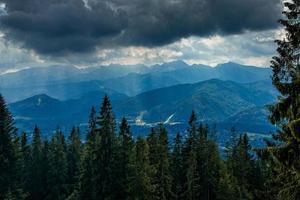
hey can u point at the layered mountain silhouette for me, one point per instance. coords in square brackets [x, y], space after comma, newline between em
[228, 95]
[214, 101]
[65, 82]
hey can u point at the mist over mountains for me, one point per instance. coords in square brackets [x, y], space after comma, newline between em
[65, 82]
[61, 96]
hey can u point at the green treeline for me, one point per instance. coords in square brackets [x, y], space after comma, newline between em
[114, 165]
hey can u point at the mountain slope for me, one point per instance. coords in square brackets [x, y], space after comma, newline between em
[212, 100]
[241, 73]
[254, 119]
[49, 113]
[61, 91]
[133, 84]
[57, 81]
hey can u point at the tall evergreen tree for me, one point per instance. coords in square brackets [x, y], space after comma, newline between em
[286, 112]
[192, 177]
[124, 166]
[74, 160]
[8, 153]
[191, 185]
[105, 151]
[163, 170]
[26, 162]
[209, 164]
[241, 164]
[152, 141]
[202, 157]
[92, 125]
[227, 187]
[86, 185]
[176, 168]
[192, 131]
[45, 166]
[143, 189]
[57, 174]
[36, 172]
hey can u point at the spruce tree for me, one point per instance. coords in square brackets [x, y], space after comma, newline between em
[212, 171]
[8, 153]
[143, 189]
[192, 130]
[240, 164]
[87, 178]
[152, 141]
[26, 162]
[190, 164]
[176, 168]
[105, 151]
[163, 190]
[286, 112]
[45, 166]
[74, 160]
[124, 163]
[153, 144]
[202, 156]
[227, 187]
[92, 125]
[209, 164]
[36, 172]
[192, 177]
[58, 169]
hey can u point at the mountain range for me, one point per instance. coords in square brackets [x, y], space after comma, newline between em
[65, 82]
[227, 95]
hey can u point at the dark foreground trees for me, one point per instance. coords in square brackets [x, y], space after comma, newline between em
[284, 156]
[111, 164]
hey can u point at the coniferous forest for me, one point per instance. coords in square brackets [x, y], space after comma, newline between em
[111, 164]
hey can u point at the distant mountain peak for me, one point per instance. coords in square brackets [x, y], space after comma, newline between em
[41, 96]
[38, 100]
[230, 64]
[181, 62]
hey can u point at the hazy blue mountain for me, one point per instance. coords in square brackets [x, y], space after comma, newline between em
[66, 73]
[50, 113]
[254, 119]
[61, 91]
[127, 79]
[134, 84]
[181, 73]
[161, 93]
[213, 100]
[65, 82]
[38, 76]
[168, 67]
[241, 73]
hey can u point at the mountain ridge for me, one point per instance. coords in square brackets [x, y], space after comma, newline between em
[129, 80]
[213, 100]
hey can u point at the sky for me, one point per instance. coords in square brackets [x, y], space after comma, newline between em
[88, 33]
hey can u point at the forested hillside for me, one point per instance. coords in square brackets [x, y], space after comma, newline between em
[114, 165]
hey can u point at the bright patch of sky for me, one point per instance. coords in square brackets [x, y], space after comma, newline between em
[2, 9]
[251, 48]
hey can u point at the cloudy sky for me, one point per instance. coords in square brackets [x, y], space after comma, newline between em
[99, 32]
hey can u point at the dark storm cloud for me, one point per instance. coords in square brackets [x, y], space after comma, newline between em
[55, 27]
